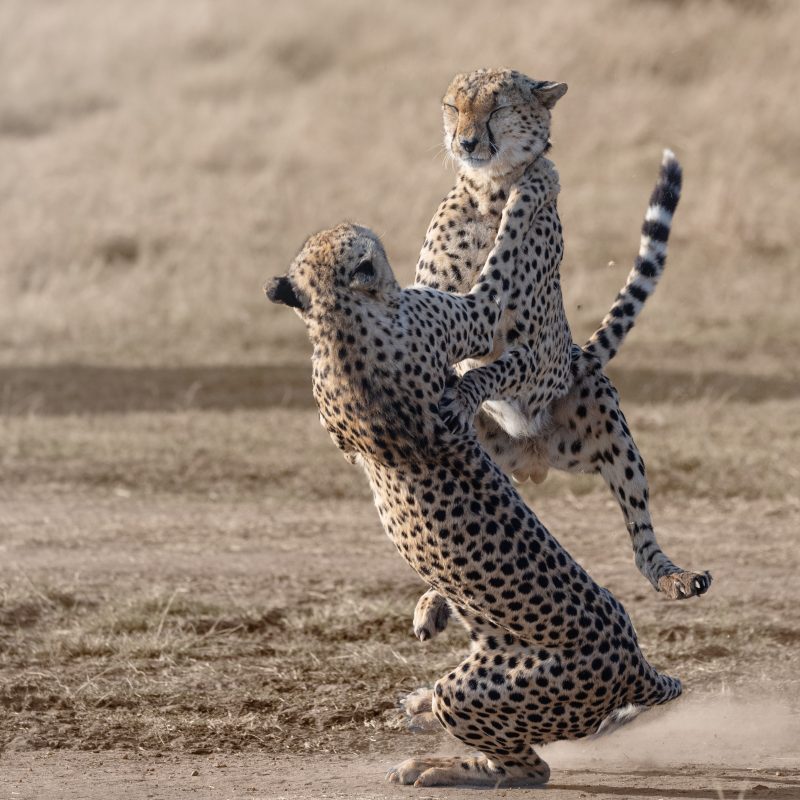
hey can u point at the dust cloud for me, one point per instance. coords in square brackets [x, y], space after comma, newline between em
[726, 729]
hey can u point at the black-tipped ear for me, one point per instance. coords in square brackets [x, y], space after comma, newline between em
[547, 93]
[280, 290]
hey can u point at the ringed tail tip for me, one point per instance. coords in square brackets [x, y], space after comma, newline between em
[671, 171]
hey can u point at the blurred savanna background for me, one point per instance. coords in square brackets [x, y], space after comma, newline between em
[182, 550]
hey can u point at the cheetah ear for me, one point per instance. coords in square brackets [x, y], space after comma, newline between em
[548, 93]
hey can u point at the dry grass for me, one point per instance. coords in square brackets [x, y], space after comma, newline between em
[701, 448]
[290, 665]
[160, 163]
[177, 672]
[193, 581]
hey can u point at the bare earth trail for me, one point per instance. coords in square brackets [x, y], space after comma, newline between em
[92, 776]
[191, 586]
[210, 591]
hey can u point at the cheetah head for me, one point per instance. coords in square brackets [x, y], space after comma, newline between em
[497, 120]
[334, 269]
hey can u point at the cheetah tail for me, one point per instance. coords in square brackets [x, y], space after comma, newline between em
[665, 688]
[642, 279]
[616, 719]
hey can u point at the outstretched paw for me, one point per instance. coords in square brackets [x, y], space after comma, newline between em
[682, 585]
[431, 615]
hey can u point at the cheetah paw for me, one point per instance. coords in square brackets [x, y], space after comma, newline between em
[431, 615]
[469, 771]
[452, 412]
[458, 406]
[410, 770]
[682, 585]
[420, 701]
[419, 709]
[536, 473]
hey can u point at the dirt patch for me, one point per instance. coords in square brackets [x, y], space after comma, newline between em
[185, 624]
[86, 776]
[83, 389]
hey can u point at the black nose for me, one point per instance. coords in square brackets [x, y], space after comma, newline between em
[469, 144]
[280, 290]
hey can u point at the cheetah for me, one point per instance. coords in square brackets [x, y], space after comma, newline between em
[553, 655]
[495, 123]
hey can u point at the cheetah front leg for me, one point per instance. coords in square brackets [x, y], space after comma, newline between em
[591, 435]
[505, 376]
[538, 187]
[472, 318]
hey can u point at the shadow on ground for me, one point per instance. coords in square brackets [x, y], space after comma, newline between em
[82, 389]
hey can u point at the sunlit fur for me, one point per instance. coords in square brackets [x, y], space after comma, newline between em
[505, 113]
[323, 272]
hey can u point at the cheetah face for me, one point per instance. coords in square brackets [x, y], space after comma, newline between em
[334, 269]
[497, 120]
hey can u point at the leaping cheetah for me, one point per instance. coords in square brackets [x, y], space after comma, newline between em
[495, 123]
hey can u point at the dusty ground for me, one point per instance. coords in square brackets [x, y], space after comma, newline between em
[38, 775]
[186, 589]
[191, 578]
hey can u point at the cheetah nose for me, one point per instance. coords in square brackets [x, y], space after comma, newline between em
[469, 144]
[280, 290]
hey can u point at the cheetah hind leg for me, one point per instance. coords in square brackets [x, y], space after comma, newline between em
[604, 444]
[471, 771]
[418, 707]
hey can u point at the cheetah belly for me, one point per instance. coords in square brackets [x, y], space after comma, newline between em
[513, 417]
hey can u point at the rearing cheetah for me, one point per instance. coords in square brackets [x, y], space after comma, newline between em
[554, 655]
[495, 123]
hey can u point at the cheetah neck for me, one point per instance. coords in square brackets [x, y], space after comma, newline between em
[489, 190]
